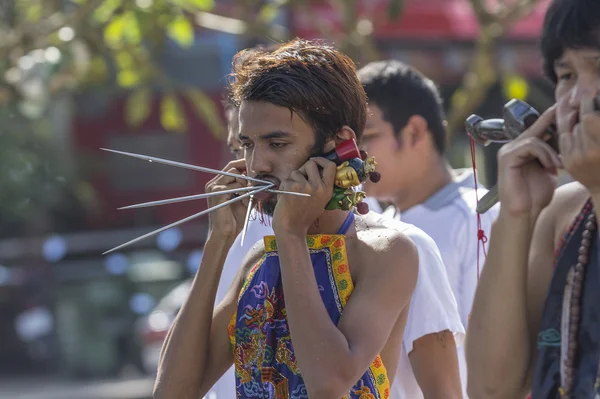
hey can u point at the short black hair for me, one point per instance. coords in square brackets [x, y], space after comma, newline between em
[310, 78]
[569, 24]
[401, 91]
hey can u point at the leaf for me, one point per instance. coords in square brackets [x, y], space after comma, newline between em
[128, 78]
[171, 114]
[124, 60]
[206, 109]
[395, 9]
[202, 5]
[137, 107]
[106, 10]
[181, 31]
[122, 29]
[133, 34]
[34, 11]
[114, 31]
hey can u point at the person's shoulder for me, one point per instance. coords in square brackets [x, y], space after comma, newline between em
[388, 241]
[570, 194]
[566, 204]
[253, 256]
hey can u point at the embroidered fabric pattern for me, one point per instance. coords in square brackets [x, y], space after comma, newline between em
[265, 363]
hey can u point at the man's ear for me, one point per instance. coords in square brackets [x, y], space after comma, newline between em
[345, 133]
[415, 132]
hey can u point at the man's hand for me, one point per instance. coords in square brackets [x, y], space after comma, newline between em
[580, 149]
[229, 220]
[527, 169]
[296, 214]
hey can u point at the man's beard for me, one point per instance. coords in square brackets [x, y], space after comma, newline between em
[268, 207]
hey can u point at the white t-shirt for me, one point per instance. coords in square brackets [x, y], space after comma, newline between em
[433, 307]
[450, 218]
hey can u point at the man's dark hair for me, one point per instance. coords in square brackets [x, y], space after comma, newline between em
[312, 79]
[569, 24]
[227, 100]
[401, 91]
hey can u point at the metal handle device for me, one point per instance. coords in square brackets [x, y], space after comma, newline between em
[518, 116]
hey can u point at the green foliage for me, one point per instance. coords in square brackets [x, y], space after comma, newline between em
[207, 110]
[171, 114]
[181, 31]
[138, 106]
[31, 177]
[110, 42]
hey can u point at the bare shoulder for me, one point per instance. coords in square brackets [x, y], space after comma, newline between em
[384, 247]
[253, 256]
[564, 208]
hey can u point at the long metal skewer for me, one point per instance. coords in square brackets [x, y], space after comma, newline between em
[188, 166]
[190, 218]
[247, 219]
[206, 195]
[289, 193]
[189, 198]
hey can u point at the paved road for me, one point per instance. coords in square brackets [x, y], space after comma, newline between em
[46, 388]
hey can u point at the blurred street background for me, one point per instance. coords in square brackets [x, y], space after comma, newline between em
[147, 76]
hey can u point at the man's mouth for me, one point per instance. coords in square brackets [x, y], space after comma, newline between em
[265, 194]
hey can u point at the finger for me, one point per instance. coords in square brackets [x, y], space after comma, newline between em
[227, 180]
[587, 105]
[313, 173]
[232, 186]
[537, 149]
[591, 129]
[237, 167]
[578, 142]
[541, 125]
[565, 144]
[328, 170]
[239, 164]
[565, 115]
[298, 177]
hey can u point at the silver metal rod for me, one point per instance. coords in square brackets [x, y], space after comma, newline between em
[189, 198]
[247, 219]
[490, 199]
[204, 212]
[289, 193]
[188, 166]
[206, 195]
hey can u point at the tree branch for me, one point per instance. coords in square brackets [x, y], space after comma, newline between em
[483, 72]
[483, 16]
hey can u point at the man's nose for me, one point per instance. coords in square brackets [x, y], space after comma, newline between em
[258, 162]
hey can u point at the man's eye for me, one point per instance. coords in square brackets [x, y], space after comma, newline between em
[278, 145]
[246, 145]
[566, 76]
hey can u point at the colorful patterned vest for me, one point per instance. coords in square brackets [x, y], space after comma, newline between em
[265, 364]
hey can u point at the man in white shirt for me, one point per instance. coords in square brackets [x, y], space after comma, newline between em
[406, 132]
